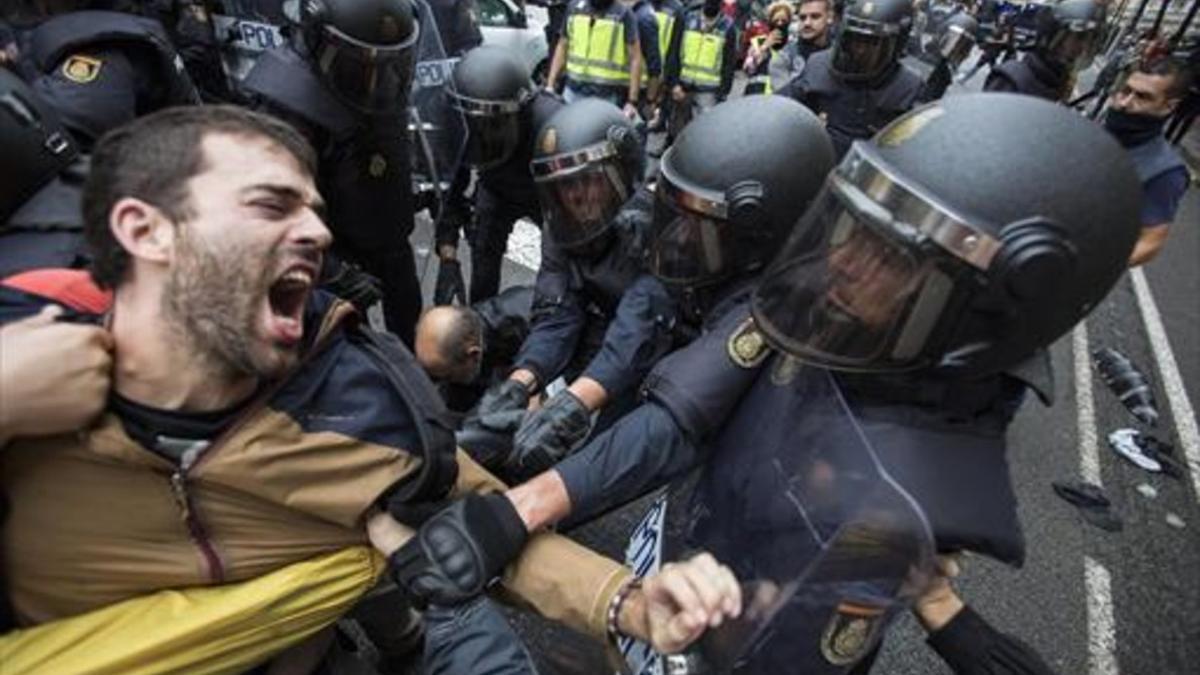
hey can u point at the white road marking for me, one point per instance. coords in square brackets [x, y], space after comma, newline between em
[1102, 632]
[525, 245]
[1172, 381]
[1089, 449]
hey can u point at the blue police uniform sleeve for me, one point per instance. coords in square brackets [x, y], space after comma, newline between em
[92, 92]
[728, 63]
[971, 646]
[630, 25]
[638, 336]
[648, 36]
[1161, 197]
[641, 451]
[672, 64]
[556, 321]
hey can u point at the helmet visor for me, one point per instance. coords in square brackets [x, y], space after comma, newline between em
[1075, 43]
[955, 44]
[493, 129]
[375, 78]
[689, 246]
[579, 205]
[849, 292]
[862, 54]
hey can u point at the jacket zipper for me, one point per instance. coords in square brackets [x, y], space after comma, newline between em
[178, 479]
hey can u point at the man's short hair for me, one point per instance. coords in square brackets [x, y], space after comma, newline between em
[1171, 68]
[828, 5]
[153, 158]
[463, 333]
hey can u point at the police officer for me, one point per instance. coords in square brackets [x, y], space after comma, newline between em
[504, 109]
[598, 319]
[860, 85]
[344, 80]
[646, 19]
[600, 54]
[925, 292]
[955, 41]
[1067, 39]
[40, 221]
[666, 13]
[98, 69]
[701, 60]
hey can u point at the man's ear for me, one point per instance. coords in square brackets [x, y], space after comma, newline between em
[475, 352]
[143, 230]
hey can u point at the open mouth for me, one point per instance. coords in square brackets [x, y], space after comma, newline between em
[287, 298]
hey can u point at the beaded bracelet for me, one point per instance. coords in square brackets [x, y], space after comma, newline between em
[614, 606]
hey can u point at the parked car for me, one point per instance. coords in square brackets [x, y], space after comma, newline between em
[522, 30]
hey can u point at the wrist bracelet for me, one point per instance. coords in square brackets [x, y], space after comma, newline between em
[614, 606]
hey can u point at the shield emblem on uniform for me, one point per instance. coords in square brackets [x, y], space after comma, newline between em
[81, 69]
[850, 633]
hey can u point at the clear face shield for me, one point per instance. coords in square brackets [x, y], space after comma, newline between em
[864, 49]
[1075, 43]
[692, 241]
[371, 77]
[493, 129]
[580, 193]
[865, 281]
[955, 44]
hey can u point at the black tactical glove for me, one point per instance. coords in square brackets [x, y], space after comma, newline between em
[548, 435]
[501, 397]
[488, 439]
[460, 551]
[349, 282]
[450, 284]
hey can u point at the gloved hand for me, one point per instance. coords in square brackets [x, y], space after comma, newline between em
[450, 284]
[460, 551]
[548, 435]
[349, 282]
[488, 439]
[502, 396]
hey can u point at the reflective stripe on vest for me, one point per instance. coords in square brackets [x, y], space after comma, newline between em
[700, 60]
[596, 50]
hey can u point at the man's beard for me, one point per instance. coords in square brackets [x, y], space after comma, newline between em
[214, 302]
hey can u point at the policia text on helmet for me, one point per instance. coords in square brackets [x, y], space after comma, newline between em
[913, 257]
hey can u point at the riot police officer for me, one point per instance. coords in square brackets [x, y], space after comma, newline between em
[860, 85]
[40, 221]
[701, 59]
[914, 294]
[1067, 39]
[98, 69]
[344, 80]
[599, 52]
[504, 109]
[598, 319]
[954, 44]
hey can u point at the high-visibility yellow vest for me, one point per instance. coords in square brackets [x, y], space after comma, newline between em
[700, 56]
[666, 24]
[596, 51]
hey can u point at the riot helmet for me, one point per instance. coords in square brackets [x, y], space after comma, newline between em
[724, 203]
[957, 38]
[966, 235]
[1070, 34]
[871, 39]
[36, 144]
[363, 49]
[491, 88]
[586, 161]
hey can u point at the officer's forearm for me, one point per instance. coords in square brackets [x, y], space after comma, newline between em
[635, 72]
[589, 392]
[556, 63]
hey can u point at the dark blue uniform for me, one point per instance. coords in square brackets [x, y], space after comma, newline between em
[503, 195]
[601, 317]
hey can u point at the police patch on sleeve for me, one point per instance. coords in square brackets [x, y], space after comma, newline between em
[850, 633]
[81, 69]
[747, 347]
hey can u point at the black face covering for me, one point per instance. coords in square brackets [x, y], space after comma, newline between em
[711, 8]
[601, 4]
[1132, 129]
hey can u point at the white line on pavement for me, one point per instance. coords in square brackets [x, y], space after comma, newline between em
[1172, 381]
[525, 245]
[1089, 448]
[1102, 631]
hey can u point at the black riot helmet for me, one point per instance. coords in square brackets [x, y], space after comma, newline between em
[36, 144]
[964, 236]
[871, 38]
[363, 49]
[957, 38]
[1071, 33]
[586, 161]
[491, 88]
[725, 202]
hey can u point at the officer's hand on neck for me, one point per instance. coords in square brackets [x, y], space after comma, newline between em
[939, 603]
